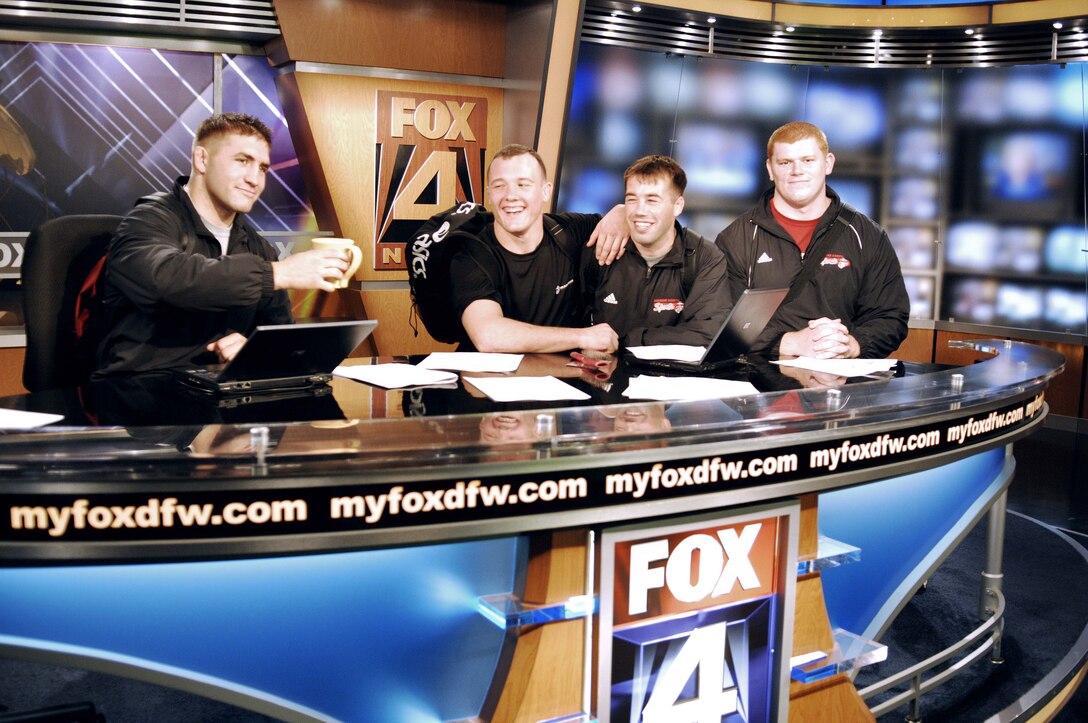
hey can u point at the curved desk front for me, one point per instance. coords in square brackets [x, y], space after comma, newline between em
[372, 564]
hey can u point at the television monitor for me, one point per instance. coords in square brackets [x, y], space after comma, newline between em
[971, 245]
[592, 190]
[919, 149]
[1066, 250]
[920, 292]
[918, 97]
[1066, 310]
[915, 198]
[982, 246]
[1020, 174]
[720, 160]
[914, 245]
[858, 192]
[619, 137]
[971, 300]
[1020, 249]
[1018, 304]
[859, 128]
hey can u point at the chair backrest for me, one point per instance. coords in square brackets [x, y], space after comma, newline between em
[56, 259]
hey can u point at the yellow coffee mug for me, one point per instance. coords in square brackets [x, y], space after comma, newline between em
[341, 244]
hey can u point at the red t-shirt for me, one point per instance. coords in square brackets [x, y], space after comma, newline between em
[799, 231]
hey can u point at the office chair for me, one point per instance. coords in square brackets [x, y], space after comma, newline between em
[57, 258]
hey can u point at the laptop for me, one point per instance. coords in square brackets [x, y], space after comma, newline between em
[280, 358]
[742, 326]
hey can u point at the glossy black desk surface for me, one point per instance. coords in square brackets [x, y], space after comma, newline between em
[152, 417]
[338, 462]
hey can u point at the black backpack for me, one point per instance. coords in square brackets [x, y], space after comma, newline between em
[430, 254]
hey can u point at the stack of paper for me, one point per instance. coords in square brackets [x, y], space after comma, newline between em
[840, 367]
[396, 376]
[472, 361]
[15, 419]
[669, 352]
[678, 388]
[526, 389]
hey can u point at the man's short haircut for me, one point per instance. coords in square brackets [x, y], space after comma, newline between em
[658, 166]
[513, 150]
[797, 131]
[237, 123]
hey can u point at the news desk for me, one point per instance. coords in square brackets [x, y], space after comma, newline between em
[430, 555]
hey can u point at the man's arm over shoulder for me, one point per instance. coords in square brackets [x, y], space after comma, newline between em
[883, 306]
[578, 227]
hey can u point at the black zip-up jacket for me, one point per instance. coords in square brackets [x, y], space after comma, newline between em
[647, 305]
[169, 290]
[858, 280]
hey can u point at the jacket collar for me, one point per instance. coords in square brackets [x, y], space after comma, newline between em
[238, 226]
[675, 255]
[764, 217]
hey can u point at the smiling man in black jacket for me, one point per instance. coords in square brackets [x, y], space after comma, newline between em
[854, 302]
[670, 286]
[186, 276]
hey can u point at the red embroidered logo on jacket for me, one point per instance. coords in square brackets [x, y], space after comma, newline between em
[836, 260]
[676, 305]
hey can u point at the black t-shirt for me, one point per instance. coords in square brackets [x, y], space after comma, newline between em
[537, 288]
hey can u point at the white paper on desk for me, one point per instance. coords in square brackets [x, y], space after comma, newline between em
[685, 388]
[16, 419]
[472, 361]
[671, 352]
[525, 389]
[840, 367]
[396, 376]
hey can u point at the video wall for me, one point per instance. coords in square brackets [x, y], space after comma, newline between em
[978, 174]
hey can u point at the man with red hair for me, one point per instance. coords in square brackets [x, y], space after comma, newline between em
[851, 300]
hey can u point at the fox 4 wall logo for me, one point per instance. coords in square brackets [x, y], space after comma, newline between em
[694, 619]
[430, 153]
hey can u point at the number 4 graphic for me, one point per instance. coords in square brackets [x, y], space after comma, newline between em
[702, 652]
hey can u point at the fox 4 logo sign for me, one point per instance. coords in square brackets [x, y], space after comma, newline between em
[694, 619]
[430, 153]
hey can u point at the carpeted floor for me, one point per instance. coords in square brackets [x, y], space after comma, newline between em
[1046, 591]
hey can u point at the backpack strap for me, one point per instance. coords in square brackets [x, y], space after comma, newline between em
[562, 235]
[690, 270]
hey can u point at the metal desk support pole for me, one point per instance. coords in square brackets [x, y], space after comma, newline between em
[992, 575]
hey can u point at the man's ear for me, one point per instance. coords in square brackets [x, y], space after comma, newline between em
[678, 207]
[547, 191]
[830, 162]
[200, 158]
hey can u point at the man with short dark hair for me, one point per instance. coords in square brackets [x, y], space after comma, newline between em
[186, 276]
[853, 303]
[670, 286]
[518, 292]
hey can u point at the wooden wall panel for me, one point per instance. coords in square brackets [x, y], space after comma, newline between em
[1065, 393]
[394, 333]
[464, 37]
[917, 347]
[333, 119]
[11, 371]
